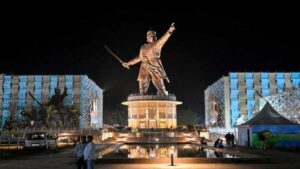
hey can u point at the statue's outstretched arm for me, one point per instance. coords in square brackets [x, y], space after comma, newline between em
[133, 61]
[165, 37]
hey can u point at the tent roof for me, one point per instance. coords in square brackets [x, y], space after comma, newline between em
[268, 116]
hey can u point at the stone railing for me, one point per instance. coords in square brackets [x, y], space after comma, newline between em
[133, 97]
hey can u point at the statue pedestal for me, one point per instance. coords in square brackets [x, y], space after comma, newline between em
[152, 111]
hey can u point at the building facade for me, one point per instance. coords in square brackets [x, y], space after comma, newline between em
[17, 93]
[235, 98]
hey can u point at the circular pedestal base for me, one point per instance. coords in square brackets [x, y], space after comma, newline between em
[152, 111]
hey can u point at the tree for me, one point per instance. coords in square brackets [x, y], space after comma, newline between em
[185, 117]
[120, 128]
[129, 129]
[0, 122]
[190, 127]
[116, 116]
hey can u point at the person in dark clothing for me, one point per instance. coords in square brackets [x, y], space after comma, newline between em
[232, 139]
[79, 150]
[90, 153]
[202, 141]
[262, 139]
[218, 154]
[216, 142]
[227, 137]
[220, 144]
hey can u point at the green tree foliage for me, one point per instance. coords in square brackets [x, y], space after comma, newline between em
[190, 127]
[116, 116]
[185, 117]
[0, 121]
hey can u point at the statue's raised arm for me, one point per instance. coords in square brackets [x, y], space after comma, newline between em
[165, 37]
[133, 61]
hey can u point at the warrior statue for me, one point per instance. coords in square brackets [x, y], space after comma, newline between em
[57, 99]
[151, 68]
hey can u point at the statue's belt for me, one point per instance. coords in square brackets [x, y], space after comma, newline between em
[150, 59]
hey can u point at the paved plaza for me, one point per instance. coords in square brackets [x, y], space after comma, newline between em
[66, 160]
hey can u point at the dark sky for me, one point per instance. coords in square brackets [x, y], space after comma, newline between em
[208, 43]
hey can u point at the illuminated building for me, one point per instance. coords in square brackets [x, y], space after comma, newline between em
[82, 94]
[236, 98]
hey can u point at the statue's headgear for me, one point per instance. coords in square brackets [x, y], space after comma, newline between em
[151, 32]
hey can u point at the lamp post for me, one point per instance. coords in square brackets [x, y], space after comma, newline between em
[172, 158]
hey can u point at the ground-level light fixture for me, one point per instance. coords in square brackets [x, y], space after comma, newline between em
[172, 158]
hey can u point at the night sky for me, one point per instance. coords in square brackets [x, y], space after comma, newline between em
[208, 43]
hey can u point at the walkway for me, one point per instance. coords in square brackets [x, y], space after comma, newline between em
[66, 160]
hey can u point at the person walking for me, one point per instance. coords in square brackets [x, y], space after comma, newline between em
[79, 151]
[227, 137]
[262, 139]
[90, 153]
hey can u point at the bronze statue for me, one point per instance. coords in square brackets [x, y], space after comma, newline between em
[151, 67]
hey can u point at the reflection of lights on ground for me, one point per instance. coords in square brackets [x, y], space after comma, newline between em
[121, 139]
[65, 134]
[10, 147]
[152, 155]
[124, 147]
[187, 147]
[99, 155]
[123, 134]
[156, 146]
[191, 138]
[183, 166]
[62, 138]
[189, 166]
[187, 134]
[65, 144]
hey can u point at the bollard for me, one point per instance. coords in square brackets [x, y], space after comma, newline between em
[172, 159]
